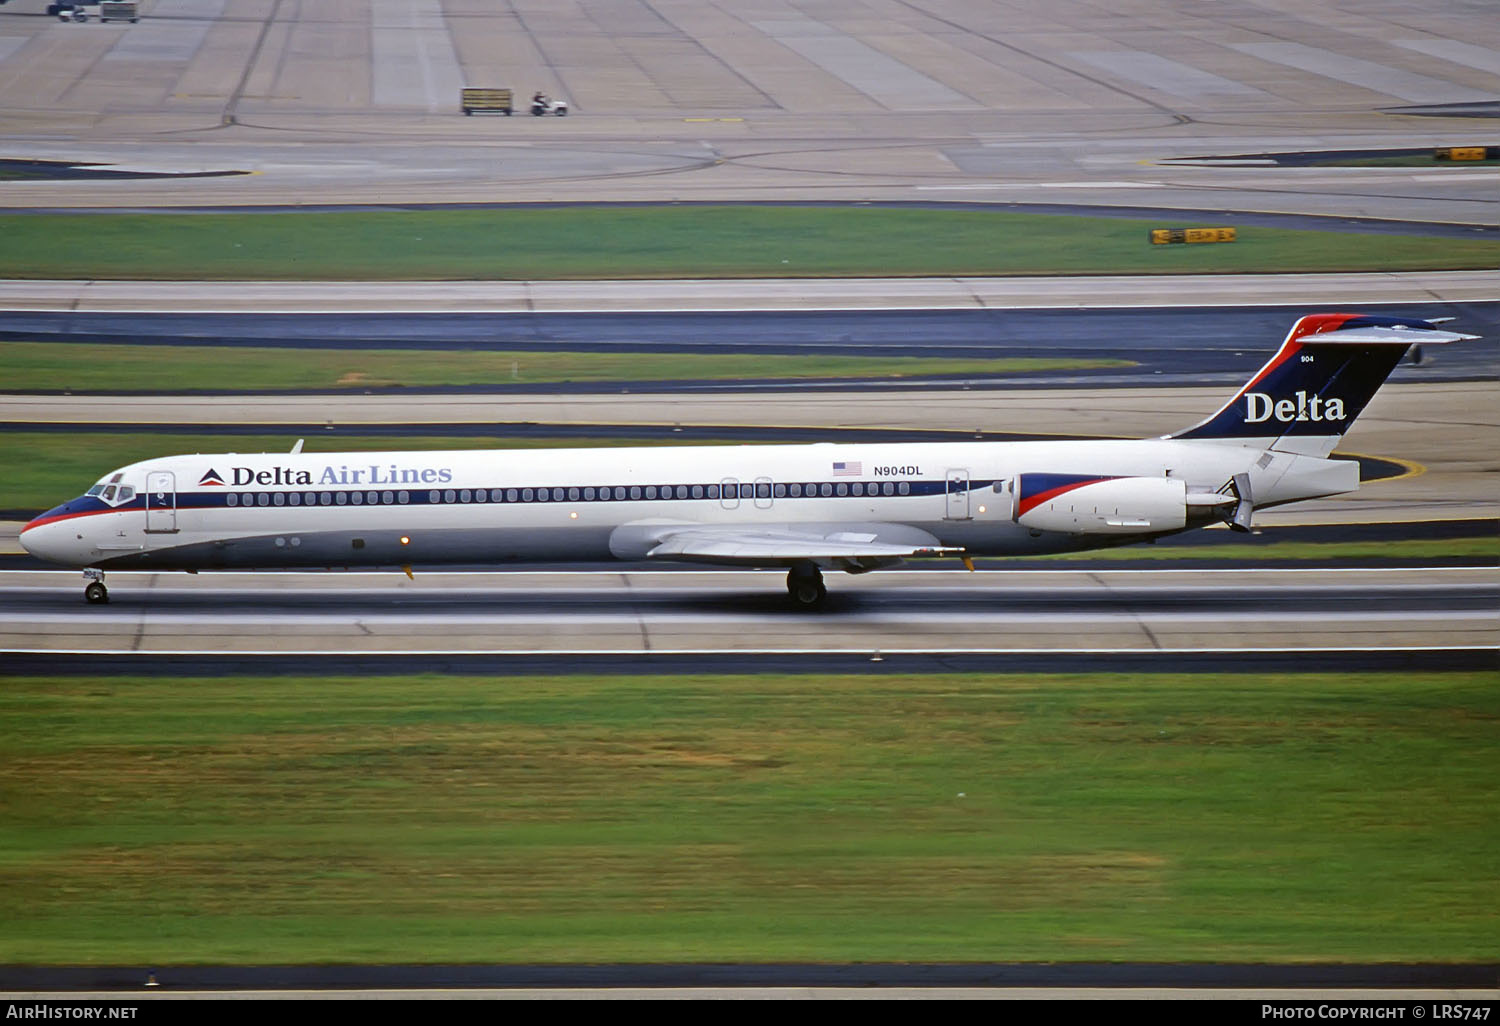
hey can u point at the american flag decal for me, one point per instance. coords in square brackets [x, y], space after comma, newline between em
[853, 468]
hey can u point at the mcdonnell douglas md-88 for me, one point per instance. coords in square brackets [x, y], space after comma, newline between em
[806, 508]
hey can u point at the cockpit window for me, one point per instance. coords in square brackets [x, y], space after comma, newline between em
[110, 490]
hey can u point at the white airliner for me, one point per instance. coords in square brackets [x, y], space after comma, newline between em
[808, 508]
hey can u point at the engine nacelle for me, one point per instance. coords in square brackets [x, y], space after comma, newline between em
[1090, 504]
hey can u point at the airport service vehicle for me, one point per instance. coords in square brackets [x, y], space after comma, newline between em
[806, 508]
[541, 106]
[118, 10]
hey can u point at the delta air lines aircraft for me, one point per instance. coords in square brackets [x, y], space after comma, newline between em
[806, 508]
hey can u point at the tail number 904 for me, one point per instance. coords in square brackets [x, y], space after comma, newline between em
[898, 471]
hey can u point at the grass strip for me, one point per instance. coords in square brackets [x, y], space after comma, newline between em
[975, 817]
[79, 367]
[672, 242]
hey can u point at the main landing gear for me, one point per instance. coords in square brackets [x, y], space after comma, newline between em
[804, 583]
[95, 592]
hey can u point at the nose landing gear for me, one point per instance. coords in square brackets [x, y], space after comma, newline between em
[95, 593]
[804, 583]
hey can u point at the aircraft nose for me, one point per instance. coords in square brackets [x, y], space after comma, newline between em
[49, 536]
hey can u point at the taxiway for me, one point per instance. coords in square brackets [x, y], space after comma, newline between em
[730, 611]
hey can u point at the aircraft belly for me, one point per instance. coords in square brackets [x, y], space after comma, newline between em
[362, 547]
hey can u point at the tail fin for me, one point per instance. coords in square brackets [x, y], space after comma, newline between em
[1323, 375]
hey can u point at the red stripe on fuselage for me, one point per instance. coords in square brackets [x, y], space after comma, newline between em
[44, 520]
[1028, 503]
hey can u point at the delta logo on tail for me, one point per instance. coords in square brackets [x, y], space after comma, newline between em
[1319, 381]
[1261, 407]
[211, 478]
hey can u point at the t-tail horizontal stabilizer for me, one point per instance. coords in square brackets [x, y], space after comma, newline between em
[1319, 381]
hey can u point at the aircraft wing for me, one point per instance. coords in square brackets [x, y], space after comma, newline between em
[865, 545]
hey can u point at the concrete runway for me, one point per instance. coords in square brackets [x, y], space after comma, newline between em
[1297, 985]
[1151, 346]
[679, 611]
[88, 298]
[680, 100]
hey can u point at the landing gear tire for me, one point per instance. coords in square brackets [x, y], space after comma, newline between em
[96, 593]
[806, 589]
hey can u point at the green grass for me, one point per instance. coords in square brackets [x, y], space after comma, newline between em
[52, 367]
[975, 817]
[671, 242]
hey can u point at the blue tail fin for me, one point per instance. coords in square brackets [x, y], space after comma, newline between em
[1324, 374]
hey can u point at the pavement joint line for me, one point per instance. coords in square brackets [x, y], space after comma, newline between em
[1270, 624]
[531, 309]
[527, 297]
[861, 651]
[605, 571]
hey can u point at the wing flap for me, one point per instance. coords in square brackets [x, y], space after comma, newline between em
[742, 546]
[782, 544]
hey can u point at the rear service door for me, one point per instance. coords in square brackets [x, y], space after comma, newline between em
[958, 494]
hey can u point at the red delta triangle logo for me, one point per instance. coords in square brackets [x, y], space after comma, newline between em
[212, 478]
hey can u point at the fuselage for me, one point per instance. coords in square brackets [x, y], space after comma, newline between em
[273, 510]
